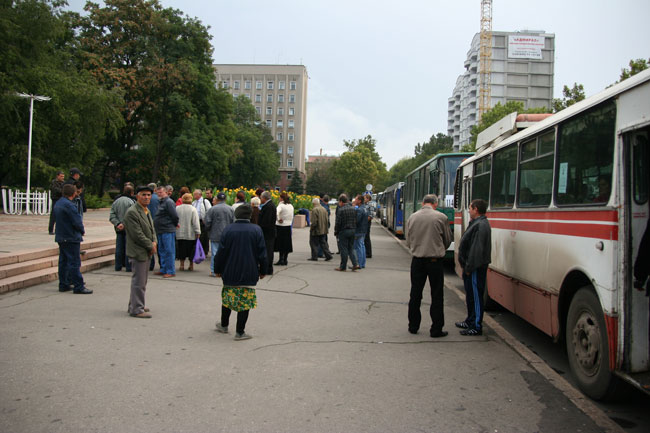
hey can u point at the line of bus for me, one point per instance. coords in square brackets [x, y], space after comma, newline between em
[568, 206]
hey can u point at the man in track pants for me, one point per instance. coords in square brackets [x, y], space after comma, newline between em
[474, 255]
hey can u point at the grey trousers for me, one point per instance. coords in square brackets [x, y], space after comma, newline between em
[140, 274]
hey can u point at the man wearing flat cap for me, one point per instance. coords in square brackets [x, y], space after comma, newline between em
[217, 219]
[75, 175]
[241, 261]
[140, 246]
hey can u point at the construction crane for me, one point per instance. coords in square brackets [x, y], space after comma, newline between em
[485, 58]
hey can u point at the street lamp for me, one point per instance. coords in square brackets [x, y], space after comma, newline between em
[29, 146]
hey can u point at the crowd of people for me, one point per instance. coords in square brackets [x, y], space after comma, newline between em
[243, 238]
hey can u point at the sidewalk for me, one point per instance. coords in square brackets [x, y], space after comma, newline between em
[330, 353]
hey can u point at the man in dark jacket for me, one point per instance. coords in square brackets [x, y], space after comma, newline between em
[344, 228]
[216, 220]
[153, 209]
[69, 232]
[165, 223]
[56, 192]
[75, 175]
[266, 221]
[116, 217]
[240, 262]
[474, 256]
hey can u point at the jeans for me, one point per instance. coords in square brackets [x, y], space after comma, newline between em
[167, 250]
[70, 266]
[360, 249]
[421, 269]
[346, 246]
[474, 289]
[120, 252]
[214, 245]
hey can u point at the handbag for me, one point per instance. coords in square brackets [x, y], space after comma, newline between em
[199, 254]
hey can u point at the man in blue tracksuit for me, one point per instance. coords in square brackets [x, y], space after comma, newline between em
[474, 255]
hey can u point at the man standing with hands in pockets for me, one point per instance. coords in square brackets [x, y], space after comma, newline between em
[428, 237]
[140, 246]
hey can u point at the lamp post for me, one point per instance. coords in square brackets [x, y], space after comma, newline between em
[29, 146]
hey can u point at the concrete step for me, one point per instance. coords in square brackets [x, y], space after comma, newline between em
[30, 267]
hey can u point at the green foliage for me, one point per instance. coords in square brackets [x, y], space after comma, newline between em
[321, 179]
[636, 66]
[571, 96]
[296, 184]
[95, 202]
[359, 166]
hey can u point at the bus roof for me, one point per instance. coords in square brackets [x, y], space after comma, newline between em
[578, 107]
[438, 156]
[394, 186]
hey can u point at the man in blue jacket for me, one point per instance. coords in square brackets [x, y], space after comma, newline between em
[241, 261]
[165, 222]
[68, 234]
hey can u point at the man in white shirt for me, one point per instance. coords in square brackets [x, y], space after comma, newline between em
[202, 206]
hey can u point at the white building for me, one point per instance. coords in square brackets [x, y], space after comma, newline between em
[279, 94]
[522, 69]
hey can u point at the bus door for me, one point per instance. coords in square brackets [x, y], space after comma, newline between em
[637, 321]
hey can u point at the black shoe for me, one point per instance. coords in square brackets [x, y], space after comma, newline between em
[471, 332]
[313, 260]
[462, 325]
[51, 233]
[83, 291]
[413, 331]
[439, 334]
[327, 259]
[278, 263]
[65, 289]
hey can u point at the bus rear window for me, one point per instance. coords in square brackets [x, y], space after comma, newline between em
[585, 157]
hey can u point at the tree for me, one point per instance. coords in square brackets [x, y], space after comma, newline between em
[321, 179]
[571, 96]
[37, 48]
[360, 165]
[296, 183]
[636, 66]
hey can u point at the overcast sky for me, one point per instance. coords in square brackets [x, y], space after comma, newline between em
[386, 68]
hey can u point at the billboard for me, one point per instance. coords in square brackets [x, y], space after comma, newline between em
[525, 47]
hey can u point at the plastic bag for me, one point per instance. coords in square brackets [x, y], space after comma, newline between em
[199, 254]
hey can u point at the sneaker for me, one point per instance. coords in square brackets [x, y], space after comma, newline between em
[471, 332]
[222, 329]
[83, 291]
[242, 336]
[462, 325]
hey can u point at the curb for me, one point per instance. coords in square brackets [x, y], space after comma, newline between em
[577, 398]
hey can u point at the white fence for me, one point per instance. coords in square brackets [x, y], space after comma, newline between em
[14, 202]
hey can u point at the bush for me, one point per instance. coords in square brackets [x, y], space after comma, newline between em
[95, 202]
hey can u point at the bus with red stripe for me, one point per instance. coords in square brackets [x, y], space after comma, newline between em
[568, 207]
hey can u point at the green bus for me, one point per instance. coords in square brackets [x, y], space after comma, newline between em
[436, 176]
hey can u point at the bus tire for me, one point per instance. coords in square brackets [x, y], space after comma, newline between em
[587, 345]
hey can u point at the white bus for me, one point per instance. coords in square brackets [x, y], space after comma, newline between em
[568, 206]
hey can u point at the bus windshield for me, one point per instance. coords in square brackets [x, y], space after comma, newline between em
[450, 166]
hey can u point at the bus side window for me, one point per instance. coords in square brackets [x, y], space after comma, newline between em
[481, 179]
[504, 174]
[536, 171]
[585, 157]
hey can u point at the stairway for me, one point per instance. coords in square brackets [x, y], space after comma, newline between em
[30, 267]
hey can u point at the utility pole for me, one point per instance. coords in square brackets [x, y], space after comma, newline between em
[485, 58]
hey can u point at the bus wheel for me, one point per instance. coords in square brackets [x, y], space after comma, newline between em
[587, 346]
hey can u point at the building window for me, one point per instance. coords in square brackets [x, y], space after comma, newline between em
[280, 98]
[269, 85]
[258, 98]
[290, 150]
[247, 84]
[258, 85]
[236, 86]
[290, 123]
[280, 123]
[280, 136]
[247, 95]
[280, 150]
[224, 84]
[292, 98]
[281, 85]
[268, 123]
[280, 111]
[289, 162]
[269, 98]
[269, 111]
[290, 136]
[289, 176]
[292, 85]
[292, 111]
[259, 110]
